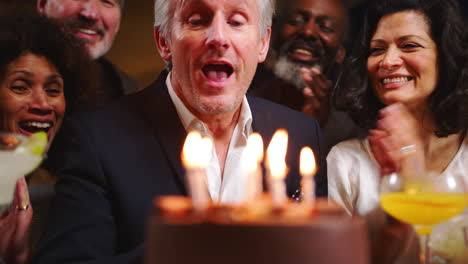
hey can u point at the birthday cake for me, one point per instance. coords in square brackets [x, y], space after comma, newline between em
[254, 233]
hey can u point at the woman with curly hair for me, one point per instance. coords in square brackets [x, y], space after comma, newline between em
[43, 71]
[407, 81]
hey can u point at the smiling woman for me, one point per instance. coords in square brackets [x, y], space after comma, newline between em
[407, 81]
[441, 34]
[31, 96]
[44, 72]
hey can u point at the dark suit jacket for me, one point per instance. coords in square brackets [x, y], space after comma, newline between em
[339, 125]
[119, 157]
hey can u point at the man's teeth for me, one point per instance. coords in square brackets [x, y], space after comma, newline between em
[395, 80]
[87, 31]
[302, 52]
[38, 124]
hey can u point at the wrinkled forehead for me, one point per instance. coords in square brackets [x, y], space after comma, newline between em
[332, 8]
[241, 4]
[120, 2]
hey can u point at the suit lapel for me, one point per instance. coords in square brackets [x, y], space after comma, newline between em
[262, 120]
[262, 124]
[168, 129]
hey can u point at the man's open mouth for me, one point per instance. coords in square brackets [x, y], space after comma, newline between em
[88, 31]
[303, 53]
[217, 71]
[35, 126]
[85, 27]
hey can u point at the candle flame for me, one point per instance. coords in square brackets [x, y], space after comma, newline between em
[278, 170]
[307, 162]
[276, 154]
[253, 153]
[255, 144]
[196, 152]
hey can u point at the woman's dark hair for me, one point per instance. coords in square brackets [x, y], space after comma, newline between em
[23, 31]
[449, 100]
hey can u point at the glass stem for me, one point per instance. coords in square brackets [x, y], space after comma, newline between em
[424, 240]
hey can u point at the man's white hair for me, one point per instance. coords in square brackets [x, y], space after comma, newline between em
[164, 11]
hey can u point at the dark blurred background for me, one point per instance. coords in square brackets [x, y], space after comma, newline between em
[134, 50]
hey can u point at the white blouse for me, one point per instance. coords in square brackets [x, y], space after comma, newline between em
[353, 182]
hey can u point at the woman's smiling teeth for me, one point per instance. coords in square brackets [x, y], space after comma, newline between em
[35, 126]
[396, 80]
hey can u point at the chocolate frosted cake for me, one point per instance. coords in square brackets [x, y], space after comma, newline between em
[255, 233]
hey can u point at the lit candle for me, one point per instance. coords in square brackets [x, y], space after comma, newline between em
[276, 167]
[196, 155]
[308, 169]
[252, 157]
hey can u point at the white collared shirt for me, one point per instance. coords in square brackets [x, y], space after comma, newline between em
[230, 187]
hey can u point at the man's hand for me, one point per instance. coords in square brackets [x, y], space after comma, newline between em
[14, 227]
[316, 94]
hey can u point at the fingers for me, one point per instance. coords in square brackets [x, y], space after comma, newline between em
[22, 193]
[316, 94]
[322, 83]
[7, 229]
[396, 108]
[400, 125]
[15, 227]
[402, 146]
[377, 144]
[311, 100]
[24, 217]
[391, 153]
[382, 144]
[307, 92]
[397, 120]
[377, 133]
[316, 81]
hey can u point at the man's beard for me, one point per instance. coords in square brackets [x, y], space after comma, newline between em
[290, 70]
[98, 49]
[95, 49]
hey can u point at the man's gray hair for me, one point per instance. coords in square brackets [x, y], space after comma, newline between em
[164, 11]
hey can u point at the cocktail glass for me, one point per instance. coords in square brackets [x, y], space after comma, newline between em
[423, 202]
[19, 155]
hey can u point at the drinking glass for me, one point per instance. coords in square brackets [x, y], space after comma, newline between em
[423, 201]
[19, 155]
